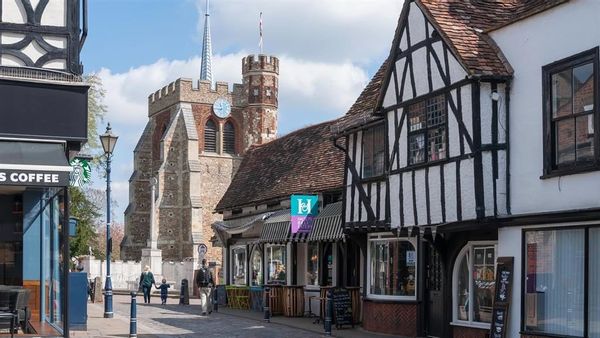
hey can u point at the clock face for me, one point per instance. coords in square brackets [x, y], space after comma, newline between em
[222, 108]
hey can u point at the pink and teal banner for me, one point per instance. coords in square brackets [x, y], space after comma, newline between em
[304, 210]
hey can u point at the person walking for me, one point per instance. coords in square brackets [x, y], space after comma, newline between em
[164, 291]
[204, 282]
[146, 282]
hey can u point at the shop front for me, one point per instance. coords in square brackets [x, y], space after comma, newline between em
[34, 248]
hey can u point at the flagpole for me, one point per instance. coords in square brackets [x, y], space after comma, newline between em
[260, 29]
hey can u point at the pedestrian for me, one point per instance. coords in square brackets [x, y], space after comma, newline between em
[163, 287]
[204, 282]
[146, 282]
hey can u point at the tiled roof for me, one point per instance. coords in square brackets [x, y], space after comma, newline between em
[304, 161]
[361, 111]
[465, 24]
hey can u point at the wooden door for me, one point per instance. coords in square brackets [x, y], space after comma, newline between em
[434, 312]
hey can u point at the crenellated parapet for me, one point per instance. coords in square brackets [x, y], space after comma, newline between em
[260, 63]
[182, 90]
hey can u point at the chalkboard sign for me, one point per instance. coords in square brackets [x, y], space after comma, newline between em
[342, 307]
[504, 277]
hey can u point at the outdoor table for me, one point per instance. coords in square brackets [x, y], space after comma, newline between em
[293, 301]
[276, 299]
[256, 298]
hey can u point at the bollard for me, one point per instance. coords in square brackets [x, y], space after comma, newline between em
[328, 313]
[184, 293]
[133, 316]
[267, 306]
[215, 299]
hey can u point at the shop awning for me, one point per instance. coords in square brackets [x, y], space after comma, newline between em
[241, 224]
[34, 164]
[328, 225]
[277, 229]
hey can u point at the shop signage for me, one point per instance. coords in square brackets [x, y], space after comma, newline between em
[34, 178]
[82, 172]
[502, 296]
[304, 210]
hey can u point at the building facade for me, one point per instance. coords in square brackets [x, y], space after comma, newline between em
[44, 125]
[479, 149]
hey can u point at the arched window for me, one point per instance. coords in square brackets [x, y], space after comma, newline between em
[210, 137]
[229, 138]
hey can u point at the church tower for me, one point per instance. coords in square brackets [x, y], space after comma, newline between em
[261, 88]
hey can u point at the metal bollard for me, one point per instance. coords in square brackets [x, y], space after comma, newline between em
[133, 316]
[215, 299]
[267, 306]
[328, 313]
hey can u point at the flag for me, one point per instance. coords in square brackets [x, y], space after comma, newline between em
[260, 28]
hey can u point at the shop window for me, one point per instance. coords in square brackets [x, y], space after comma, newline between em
[238, 274]
[210, 137]
[229, 138]
[555, 274]
[427, 130]
[571, 113]
[312, 264]
[257, 268]
[373, 151]
[474, 284]
[276, 257]
[392, 267]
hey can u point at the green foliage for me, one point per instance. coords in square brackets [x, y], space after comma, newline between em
[96, 109]
[86, 213]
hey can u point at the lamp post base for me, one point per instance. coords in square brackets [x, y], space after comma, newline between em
[108, 298]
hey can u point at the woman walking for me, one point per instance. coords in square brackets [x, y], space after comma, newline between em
[146, 282]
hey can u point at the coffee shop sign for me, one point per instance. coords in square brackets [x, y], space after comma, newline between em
[16, 177]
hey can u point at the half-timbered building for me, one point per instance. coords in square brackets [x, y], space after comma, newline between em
[428, 179]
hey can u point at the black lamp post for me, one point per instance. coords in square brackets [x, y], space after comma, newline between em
[108, 140]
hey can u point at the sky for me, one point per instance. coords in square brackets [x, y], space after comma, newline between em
[328, 51]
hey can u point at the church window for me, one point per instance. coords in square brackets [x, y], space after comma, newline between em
[210, 137]
[229, 138]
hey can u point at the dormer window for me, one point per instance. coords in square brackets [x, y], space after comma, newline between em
[427, 141]
[571, 113]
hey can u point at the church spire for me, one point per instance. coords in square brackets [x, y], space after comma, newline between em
[205, 69]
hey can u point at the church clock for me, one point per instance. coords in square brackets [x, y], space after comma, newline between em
[222, 108]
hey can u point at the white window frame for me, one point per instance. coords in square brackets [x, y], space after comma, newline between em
[267, 262]
[390, 237]
[234, 260]
[262, 265]
[468, 248]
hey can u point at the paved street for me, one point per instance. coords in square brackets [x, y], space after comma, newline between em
[156, 321]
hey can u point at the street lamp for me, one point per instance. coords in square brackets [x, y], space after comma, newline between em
[108, 140]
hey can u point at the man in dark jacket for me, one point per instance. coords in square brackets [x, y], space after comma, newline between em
[204, 282]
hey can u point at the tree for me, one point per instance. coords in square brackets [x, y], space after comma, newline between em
[86, 213]
[117, 232]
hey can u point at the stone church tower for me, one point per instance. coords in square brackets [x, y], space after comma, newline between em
[190, 149]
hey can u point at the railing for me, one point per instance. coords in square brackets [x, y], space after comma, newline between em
[39, 74]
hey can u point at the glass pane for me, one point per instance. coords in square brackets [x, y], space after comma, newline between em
[276, 257]
[554, 287]
[256, 268]
[594, 284]
[562, 100]
[463, 288]
[585, 137]
[393, 266]
[416, 149]
[436, 111]
[437, 144]
[583, 87]
[416, 116]
[484, 272]
[312, 264]
[239, 266]
[565, 141]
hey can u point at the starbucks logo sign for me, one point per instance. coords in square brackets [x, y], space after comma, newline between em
[81, 173]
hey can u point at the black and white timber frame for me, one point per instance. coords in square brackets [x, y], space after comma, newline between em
[471, 182]
[45, 36]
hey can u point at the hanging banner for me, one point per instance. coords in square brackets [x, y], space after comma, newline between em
[304, 210]
[82, 172]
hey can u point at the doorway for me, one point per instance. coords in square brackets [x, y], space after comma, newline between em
[434, 295]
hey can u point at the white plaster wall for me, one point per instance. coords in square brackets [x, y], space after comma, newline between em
[55, 13]
[435, 198]
[453, 130]
[509, 245]
[485, 102]
[467, 189]
[403, 141]
[420, 196]
[394, 182]
[488, 182]
[450, 191]
[409, 218]
[528, 45]
[382, 201]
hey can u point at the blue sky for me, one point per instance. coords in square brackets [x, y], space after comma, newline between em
[328, 51]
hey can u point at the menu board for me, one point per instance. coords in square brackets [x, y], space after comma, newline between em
[504, 277]
[342, 307]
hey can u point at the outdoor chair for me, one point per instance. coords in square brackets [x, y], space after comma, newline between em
[23, 312]
[231, 296]
[243, 297]
[8, 310]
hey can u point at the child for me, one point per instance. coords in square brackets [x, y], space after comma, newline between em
[163, 291]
